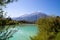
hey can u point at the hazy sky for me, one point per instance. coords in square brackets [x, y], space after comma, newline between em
[50, 7]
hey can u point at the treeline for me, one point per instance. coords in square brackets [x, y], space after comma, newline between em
[3, 20]
[7, 21]
[49, 28]
[26, 22]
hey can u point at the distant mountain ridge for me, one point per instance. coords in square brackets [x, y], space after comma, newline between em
[31, 17]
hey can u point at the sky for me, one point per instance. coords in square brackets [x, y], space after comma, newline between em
[24, 7]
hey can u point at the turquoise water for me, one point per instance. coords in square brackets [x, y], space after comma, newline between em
[23, 32]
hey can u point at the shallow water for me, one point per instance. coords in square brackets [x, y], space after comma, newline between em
[23, 32]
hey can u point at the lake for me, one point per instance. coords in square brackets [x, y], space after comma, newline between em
[21, 32]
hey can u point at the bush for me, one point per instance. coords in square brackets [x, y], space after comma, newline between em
[49, 28]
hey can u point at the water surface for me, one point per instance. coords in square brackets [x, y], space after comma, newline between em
[22, 32]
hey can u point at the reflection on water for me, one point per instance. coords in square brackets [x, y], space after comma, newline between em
[19, 32]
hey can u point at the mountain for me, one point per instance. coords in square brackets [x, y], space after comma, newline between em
[31, 17]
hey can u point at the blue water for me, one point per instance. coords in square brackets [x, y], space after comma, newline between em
[23, 32]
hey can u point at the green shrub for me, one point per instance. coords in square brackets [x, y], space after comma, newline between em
[49, 28]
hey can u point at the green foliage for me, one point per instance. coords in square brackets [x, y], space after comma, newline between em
[1, 13]
[4, 21]
[58, 36]
[7, 21]
[49, 28]
[4, 2]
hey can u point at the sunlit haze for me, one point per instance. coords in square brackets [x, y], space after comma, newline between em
[23, 7]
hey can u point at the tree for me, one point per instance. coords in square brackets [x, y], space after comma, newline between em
[1, 13]
[49, 28]
[3, 3]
